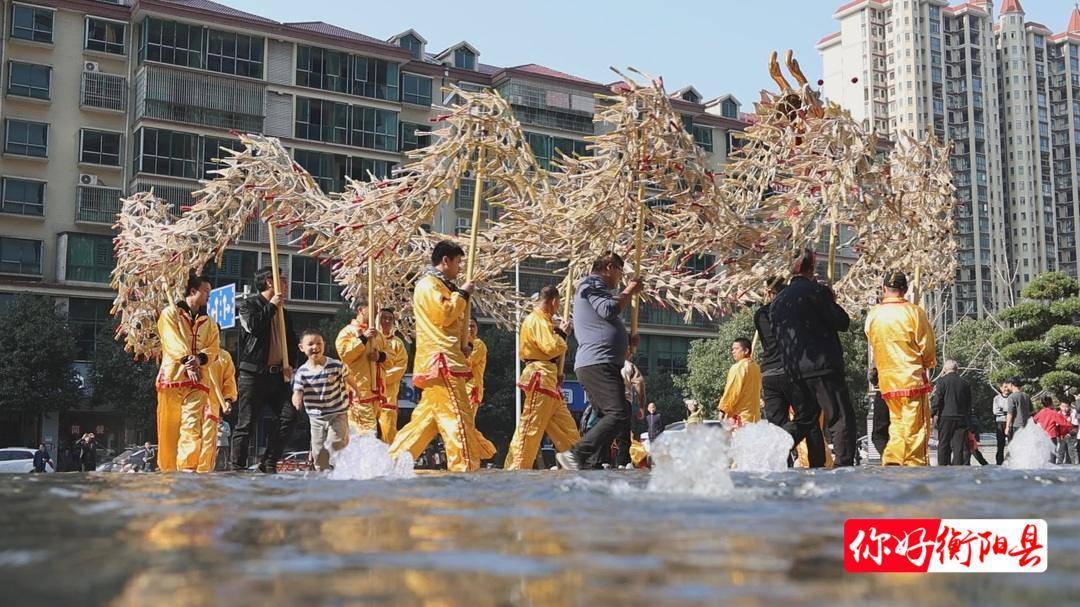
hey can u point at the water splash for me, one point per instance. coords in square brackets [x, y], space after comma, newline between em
[367, 457]
[696, 461]
[1030, 449]
[761, 447]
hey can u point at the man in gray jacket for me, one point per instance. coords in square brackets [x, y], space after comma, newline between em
[602, 346]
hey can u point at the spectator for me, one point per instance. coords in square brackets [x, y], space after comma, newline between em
[85, 448]
[41, 459]
[634, 386]
[1068, 449]
[1056, 426]
[693, 412]
[654, 423]
[951, 408]
[1001, 412]
[1019, 407]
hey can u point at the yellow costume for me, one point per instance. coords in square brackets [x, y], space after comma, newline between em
[475, 386]
[392, 369]
[440, 369]
[544, 410]
[742, 394]
[368, 394]
[182, 401]
[903, 346]
[222, 377]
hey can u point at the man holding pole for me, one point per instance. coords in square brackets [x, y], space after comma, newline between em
[360, 348]
[266, 363]
[393, 369]
[441, 367]
[602, 347]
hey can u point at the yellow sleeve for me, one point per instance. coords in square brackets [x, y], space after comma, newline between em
[349, 346]
[732, 391]
[228, 377]
[173, 344]
[443, 308]
[211, 346]
[544, 338]
[924, 336]
[478, 363]
[397, 358]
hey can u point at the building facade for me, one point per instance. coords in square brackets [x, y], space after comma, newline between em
[102, 99]
[990, 85]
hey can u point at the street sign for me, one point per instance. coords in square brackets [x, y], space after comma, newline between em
[222, 306]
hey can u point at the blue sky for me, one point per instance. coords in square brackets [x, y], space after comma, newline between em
[719, 46]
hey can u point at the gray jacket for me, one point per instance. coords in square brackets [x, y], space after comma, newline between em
[598, 324]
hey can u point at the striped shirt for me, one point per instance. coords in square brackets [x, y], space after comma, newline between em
[323, 387]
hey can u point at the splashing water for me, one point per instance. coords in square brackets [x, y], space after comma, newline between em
[1030, 449]
[696, 461]
[761, 447]
[367, 457]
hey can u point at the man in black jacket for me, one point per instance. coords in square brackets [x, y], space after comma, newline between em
[950, 407]
[805, 321]
[264, 378]
[778, 390]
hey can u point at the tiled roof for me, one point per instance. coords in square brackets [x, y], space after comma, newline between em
[219, 9]
[1011, 6]
[321, 27]
[539, 70]
[1039, 27]
[829, 37]
[1074, 21]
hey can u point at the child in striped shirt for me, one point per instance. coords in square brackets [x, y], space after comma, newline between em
[319, 386]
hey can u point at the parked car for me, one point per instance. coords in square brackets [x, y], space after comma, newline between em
[291, 461]
[19, 460]
[132, 459]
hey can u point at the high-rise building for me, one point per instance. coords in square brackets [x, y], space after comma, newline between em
[983, 83]
[105, 98]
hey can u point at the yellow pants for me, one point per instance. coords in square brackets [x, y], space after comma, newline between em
[208, 448]
[909, 431]
[542, 413]
[443, 409]
[486, 448]
[180, 416]
[363, 415]
[388, 424]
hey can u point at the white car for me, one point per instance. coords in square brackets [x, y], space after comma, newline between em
[19, 460]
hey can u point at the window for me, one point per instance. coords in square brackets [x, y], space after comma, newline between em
[464, 58]
[361, 169]
[372, 128]
[375, 78]
[22, 196]
[29, 80]
[328, 170]
[105, 36]
[171, 42]
[212, 148]
[237, 267]
[20, 256]
[412, 44]
[703, 137]
[322, 120]
[26, 138]
[87, 319]
[729, 109]
[415, 89]
[322, 69]
[232, 53]
[413, 137]
[89, 257]
[99, 147]
[164, 152]
[311, 281]
[31, 23]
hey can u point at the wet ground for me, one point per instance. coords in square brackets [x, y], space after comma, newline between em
[495, 538]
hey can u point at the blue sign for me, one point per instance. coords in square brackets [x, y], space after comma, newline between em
[574, 393]
[222, 306]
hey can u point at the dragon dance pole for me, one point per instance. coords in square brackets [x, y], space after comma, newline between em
[635, 303]
[474, 232]
[276, 270]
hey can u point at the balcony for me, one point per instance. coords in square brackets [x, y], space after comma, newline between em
[97, 204]
[180, 95]
[103, 91]
[176, 195]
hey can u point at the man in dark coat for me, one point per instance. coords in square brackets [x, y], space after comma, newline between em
[950, 408]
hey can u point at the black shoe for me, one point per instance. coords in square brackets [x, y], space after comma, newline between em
[268, 468]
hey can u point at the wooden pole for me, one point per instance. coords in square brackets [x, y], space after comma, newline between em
[474, 232]
[834, 230]
[276, 270]
[568, 296]
[639, 235]
[371, 292]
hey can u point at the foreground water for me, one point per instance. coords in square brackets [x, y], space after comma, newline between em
[496, 538]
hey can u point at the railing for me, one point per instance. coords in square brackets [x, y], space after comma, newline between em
[103, 91]
[178, 196]
[97, 204]
[187, 96]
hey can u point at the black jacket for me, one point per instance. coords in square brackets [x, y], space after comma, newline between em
[655, 424]
[952, 397]
[256, 317]
[805, 321]
[771, 361]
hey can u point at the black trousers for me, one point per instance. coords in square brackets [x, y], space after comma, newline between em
[778, 392]
[829, 393]
[1001, 440]
[256, 392]
[604, 388]
[879, 434]
[952, 434]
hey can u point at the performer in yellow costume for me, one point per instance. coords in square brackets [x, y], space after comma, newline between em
[475, 385]
[441, 368]
[544, 411]
[393, 369]
[222, 376]
[360, 348]
[742, 394]
[903, 346]
[189, 343]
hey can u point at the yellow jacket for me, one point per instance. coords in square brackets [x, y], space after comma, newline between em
[477, 364]
[903, 344]
[541, 345]
[222, 376]
[396, 363]
[742, 394]
[439, 315]
[353, 350]
[181, 336]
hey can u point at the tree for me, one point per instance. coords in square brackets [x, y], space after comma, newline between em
[36, 357]
[1039, 342]
[660, 388]
[121, 383]
[496, 417]
[969, 343]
